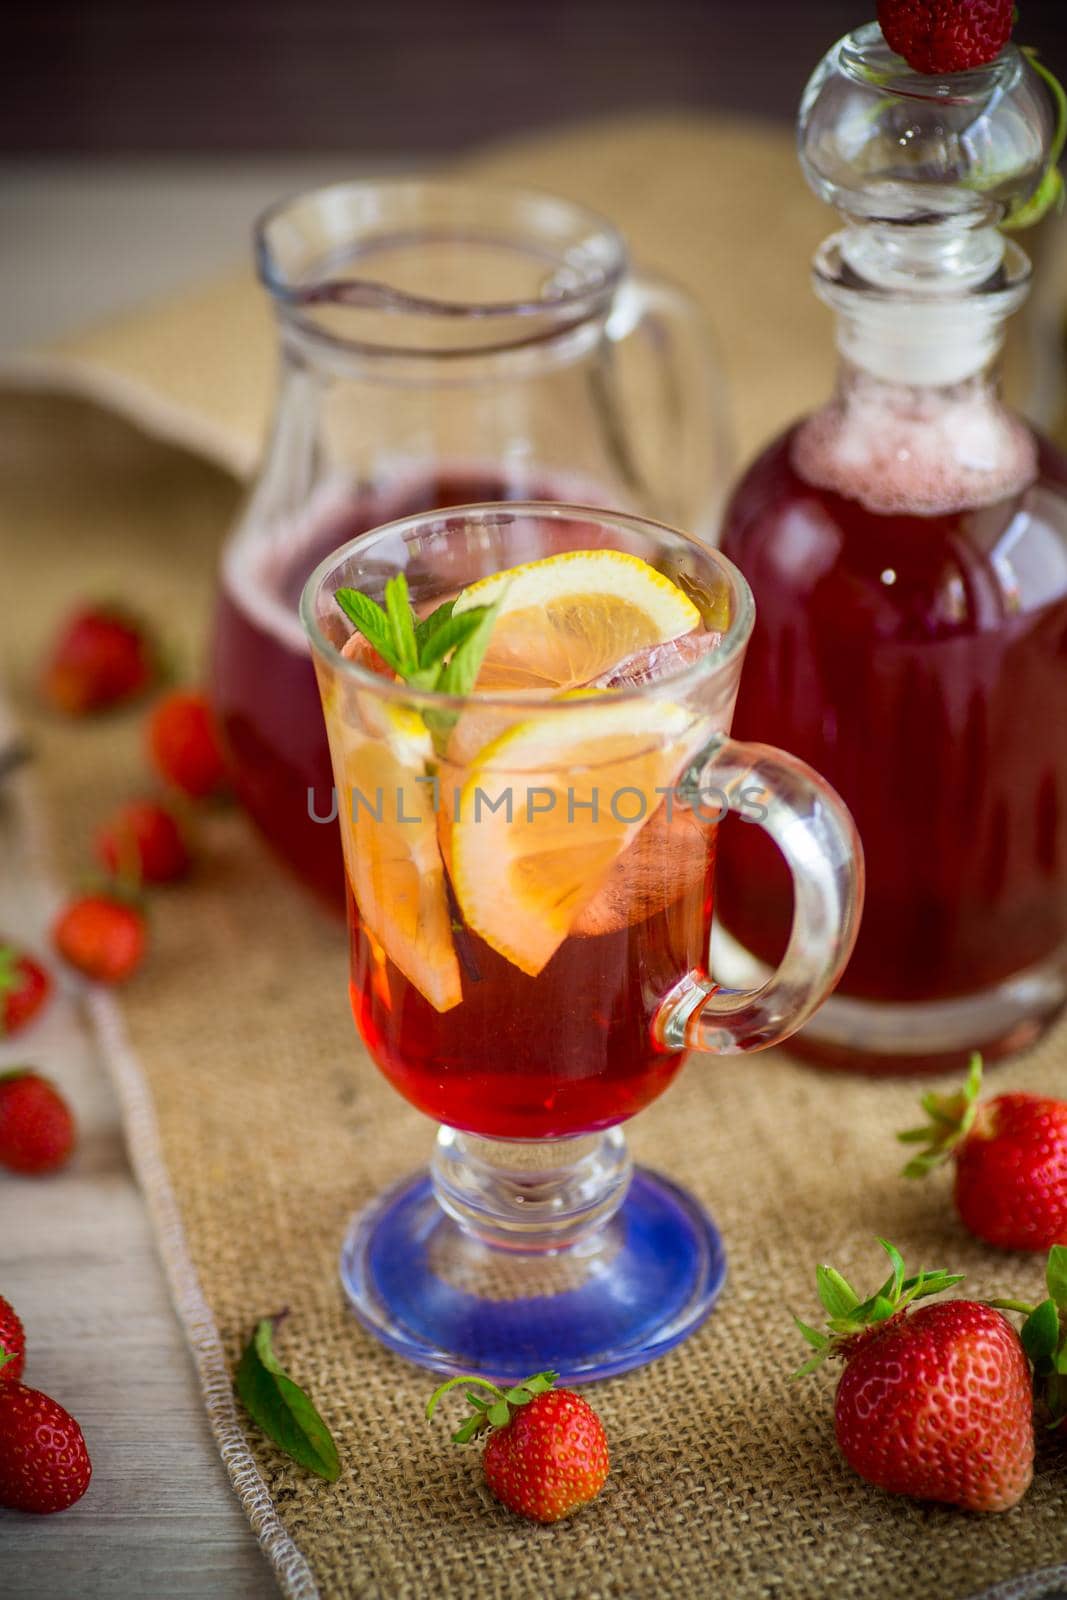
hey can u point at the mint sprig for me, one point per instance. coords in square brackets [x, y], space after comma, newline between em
[441, 653]
[281, 1407]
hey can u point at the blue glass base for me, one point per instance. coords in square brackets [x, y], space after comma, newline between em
[441, 1298]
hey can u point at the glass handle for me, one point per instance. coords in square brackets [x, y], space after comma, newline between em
[812, 827]
[693, 441]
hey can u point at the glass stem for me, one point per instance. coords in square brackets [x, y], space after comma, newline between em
[535, 1197]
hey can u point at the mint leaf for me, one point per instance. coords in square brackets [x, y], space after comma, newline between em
[1056, 1275]
[451, 633]
[428, 626]
[371, 621]
[398, 608]
[282, 1409]
[461, 672]
[416, 650]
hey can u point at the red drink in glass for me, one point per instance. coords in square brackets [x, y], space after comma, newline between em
[530, 788]
[492, 1065]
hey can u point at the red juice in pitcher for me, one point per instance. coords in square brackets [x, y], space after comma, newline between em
[264, 688]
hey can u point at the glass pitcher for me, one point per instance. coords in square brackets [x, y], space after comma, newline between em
[441, 343]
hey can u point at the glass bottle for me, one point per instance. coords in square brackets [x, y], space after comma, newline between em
[440, 343]
[907, 547]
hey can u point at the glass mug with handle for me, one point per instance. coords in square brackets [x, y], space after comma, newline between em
[528, 709]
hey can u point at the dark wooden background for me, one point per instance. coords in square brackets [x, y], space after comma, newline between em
[128, 77]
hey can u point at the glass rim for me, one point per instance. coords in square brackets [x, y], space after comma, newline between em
[865, 48]
[704, 669]
[369, 292]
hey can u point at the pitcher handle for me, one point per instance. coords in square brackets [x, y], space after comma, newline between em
[696, 446]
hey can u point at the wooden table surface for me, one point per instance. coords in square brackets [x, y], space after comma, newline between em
[77, 1260]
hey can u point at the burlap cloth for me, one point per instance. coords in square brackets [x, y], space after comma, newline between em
[257, 1125]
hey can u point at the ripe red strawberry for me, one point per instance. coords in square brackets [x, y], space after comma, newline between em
[102, 656]
[184, 745]
[44, 1464]
[546, 1454]
[143, 843]
[940, 36]
[934, 1403]
[1011, 1162]
[36, 1125]
[12, 1343]
[102, 935]
[24, 988]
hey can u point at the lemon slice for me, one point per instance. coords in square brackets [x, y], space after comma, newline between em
[546, 810]
[389, 833]
[565, 620]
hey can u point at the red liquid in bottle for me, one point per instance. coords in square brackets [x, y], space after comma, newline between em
[570, 1050]
[919, 662]
[263, 682]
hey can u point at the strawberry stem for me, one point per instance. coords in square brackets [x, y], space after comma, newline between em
[495, 1415]
[453, 1383]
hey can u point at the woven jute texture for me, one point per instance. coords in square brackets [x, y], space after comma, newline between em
[274, 1127]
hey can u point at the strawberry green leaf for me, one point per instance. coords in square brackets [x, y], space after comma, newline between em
[467, 1430]
[896, 1261]
[1056, 1275]
[499, 1415]
[835, 1292]
[372, 622]
[518, 1397]
[812, 1364]
[951, 1119]
[282, 1409]
[541, 1382]
[6, 1356]
[882, 1309]
[10, 977]
[812, 1335]
[1040, 1334]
